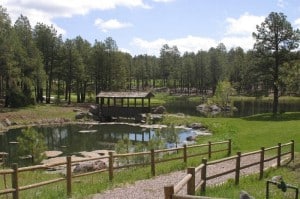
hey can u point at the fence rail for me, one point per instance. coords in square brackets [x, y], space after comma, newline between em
[111, 167]
[189, 181]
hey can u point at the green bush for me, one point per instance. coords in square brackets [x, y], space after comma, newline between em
[32, 143]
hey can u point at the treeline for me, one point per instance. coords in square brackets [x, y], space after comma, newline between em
[36, 64]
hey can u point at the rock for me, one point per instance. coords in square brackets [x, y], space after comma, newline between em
[6, 122]
[59, 160]
[94, 109]
[159, 110]
[102, 152]
[245, 195]
[277, 178]
[195, 126]
[89, 166]
[53, 154]
[191, 138]
[79, 115]
[88, 131]
[156, 118]
[140, 118]
[202, 108]
[89, 115]
[215, 108]
[89, 154]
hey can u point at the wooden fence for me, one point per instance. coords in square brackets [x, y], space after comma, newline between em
[189, 181]
[156, 157]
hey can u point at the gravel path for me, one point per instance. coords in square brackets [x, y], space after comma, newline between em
[154, 188]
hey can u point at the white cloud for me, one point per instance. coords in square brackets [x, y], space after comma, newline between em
[244, 25]
[238, 33]
[46, 10]
[110, 24]
[245, 42]
[297, 23]
[186, 44]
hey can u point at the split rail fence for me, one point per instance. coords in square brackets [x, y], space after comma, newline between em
[193, 186]
[152, 158]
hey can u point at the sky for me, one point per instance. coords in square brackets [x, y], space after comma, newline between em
[144, 26]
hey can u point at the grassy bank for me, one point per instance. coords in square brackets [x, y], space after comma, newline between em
[249, 133]
[35, 115]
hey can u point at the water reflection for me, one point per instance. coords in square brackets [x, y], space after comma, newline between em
[244, 108]
[71, 139]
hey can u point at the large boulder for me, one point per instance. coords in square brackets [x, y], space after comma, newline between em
[203, 108]
[215, 108]
[89, 166]
[159, 110]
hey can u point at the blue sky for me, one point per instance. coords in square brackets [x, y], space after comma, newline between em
[144, 26]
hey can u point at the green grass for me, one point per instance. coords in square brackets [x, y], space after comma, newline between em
[249, 133]
[257, 188]
[42, 113]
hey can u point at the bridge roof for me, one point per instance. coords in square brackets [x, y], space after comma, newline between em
[125, 95]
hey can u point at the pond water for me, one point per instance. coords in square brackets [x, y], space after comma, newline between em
[244, 108]
[71, 139]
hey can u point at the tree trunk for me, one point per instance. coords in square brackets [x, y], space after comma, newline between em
[275, 99]
[275, 80]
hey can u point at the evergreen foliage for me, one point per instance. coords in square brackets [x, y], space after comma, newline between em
[36, 64]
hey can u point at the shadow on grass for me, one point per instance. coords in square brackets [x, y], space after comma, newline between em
[271, 117]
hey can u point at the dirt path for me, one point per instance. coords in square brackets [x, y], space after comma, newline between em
[154, 188]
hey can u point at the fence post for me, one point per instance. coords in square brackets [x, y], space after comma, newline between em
[111, 166]
[184, 153]
[169, 191]
[279, 155]
[14, 181]
[292, 150]
[203, 176]
[69, 176]
[261, 164]
[191, 182]
[229, 148]
[267, 190]
[237, 168]
[152, 162]
[209, 149]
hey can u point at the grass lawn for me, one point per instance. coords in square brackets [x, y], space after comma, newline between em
[249, 133]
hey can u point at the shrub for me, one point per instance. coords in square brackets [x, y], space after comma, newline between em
[32, 143]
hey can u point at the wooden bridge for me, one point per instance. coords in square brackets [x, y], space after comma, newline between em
[124, 104]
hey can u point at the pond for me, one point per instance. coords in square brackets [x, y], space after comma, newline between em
[244, 108]
[71, 139]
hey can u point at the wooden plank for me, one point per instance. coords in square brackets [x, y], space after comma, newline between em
[182, 183]
[31, 186]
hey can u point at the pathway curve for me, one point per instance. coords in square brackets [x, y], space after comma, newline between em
[154, 188]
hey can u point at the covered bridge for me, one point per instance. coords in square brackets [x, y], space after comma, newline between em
[124, 104]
